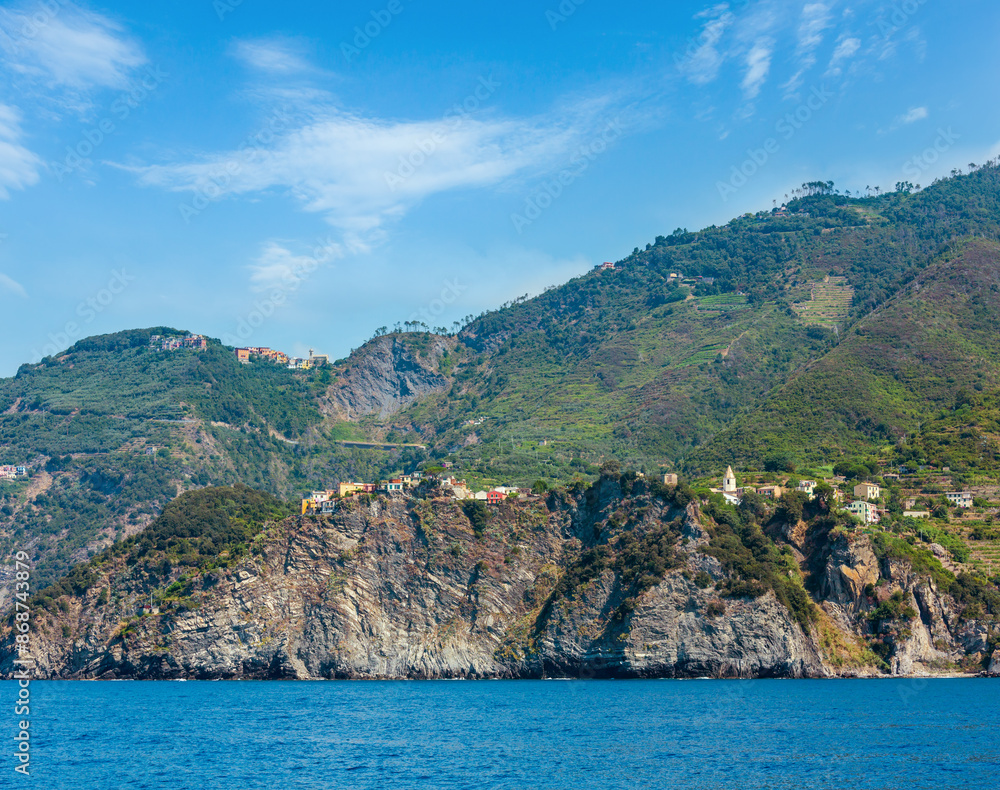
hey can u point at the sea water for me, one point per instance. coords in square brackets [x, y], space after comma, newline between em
[855, 734]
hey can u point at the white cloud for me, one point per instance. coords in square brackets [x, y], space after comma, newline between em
[360, 172]
[271, 55]
[703, 64]
[63, 45]
[277, 267]
[814, 20]
[914, 115]
[758, 66]
[18, 165]
[846, 49]
[11, 285]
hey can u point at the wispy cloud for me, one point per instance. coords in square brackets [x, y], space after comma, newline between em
[360, 172]
[278, 267]
[846, 49]
[275, 56]
[702, 66]
[10, 285]
[913, 115]
[62, 45]
[814, 19]
[758, 65]
[18, 166]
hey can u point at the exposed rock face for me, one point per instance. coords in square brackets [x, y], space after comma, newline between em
[929, 637]
[850, 567]
[398, 587]
[386, 376]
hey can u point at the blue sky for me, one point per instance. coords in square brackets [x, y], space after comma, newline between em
[295, 176]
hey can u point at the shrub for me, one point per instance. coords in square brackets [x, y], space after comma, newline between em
[895, 607]
[703, 580]
[478, 514]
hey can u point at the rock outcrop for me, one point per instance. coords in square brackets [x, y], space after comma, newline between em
[387, 375]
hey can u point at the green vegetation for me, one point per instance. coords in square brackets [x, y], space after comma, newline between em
[198, 531]
[812, 340]
[478, 514]
[896, 607]
[853, 329]
[755, 563]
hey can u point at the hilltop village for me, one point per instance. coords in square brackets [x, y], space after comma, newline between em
[957, 522]
[325, 502]
[869, 502]
[244, 355]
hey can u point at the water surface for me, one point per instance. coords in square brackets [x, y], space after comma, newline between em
[855, 734]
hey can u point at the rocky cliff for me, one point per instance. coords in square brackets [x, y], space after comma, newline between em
[388, 374]
[602, 582]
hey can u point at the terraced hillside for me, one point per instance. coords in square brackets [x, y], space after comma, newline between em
[893, 370]
[829, 302]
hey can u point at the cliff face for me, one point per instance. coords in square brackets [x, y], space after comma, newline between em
[387, 375]
[394, 588]
[925, 632]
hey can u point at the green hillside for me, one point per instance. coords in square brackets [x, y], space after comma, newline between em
[114, 430]
[850, 327]
[923, 351]
[649, 368]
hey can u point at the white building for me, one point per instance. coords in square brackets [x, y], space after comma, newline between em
[806, 487]
[960, 498]
[729, 482]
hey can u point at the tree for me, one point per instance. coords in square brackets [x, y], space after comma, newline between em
[779, 462]
[790, 506]
[611, 468]
[540, 487]
[752, 506]
[823, 493]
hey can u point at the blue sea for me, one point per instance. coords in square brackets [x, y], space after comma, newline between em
[843, 734]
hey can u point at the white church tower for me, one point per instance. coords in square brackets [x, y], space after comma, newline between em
[729, 482]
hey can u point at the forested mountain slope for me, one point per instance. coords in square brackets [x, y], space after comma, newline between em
[826, 330]
[649, 368]
[929, 348]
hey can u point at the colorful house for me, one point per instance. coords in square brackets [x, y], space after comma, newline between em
[865, 511]
[771, 492]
